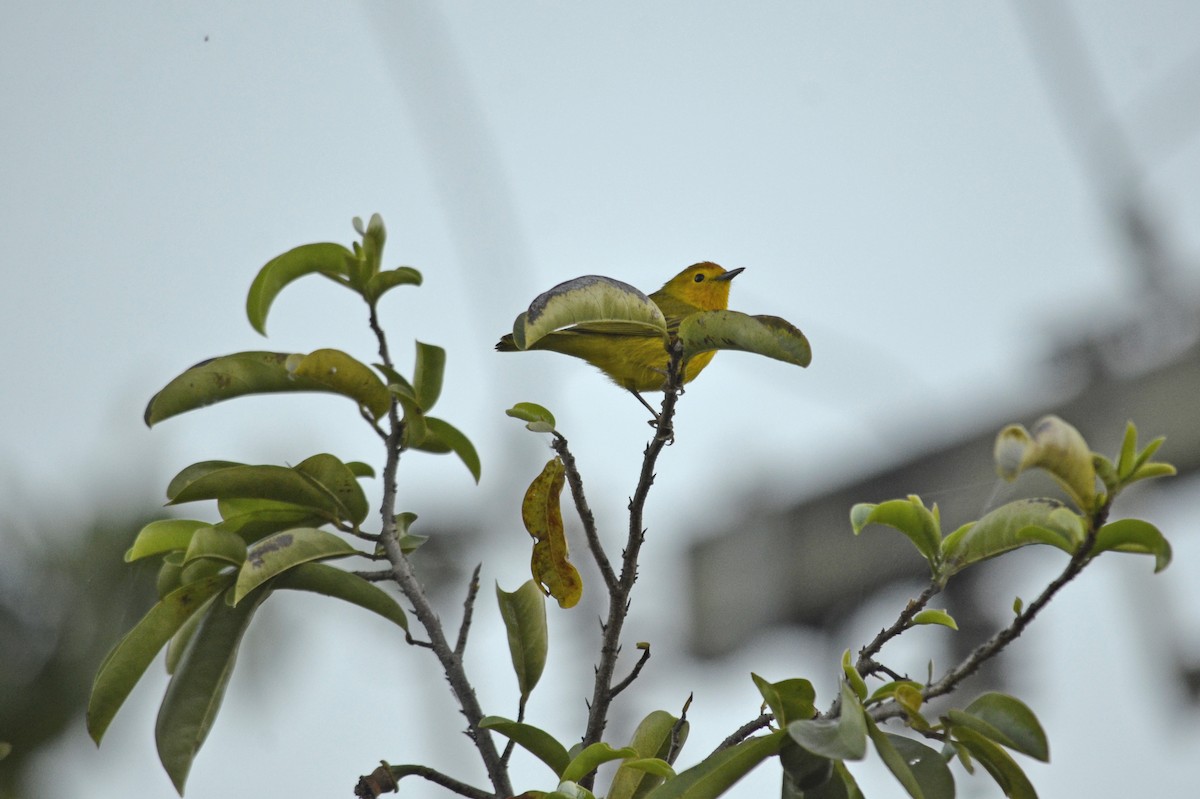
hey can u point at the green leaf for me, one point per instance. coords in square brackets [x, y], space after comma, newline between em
[414, 417]
[934, 616]
[730, 330]
[894, 761]
[194, 695]
[360, 469]
[214, 544]
[909, 516]
[1054, 446]
[335, 479]
[388, 279]
[853, 678]
[261, 482]
[1128, 451]
[227, 377]
[164, 535]
[324, 258]
[441, 436]
[1007, 721]
[277, 553]
[926, 765]
[524, 614]
[192, 473]
[337, 372]
[170, 574]
[538, 419]
[1147, 471]
[1004, 770]
[653, 766]
[586, 300]
[427, 374]
[1017, 524]
[128, 660]
[715, 774]
[652, 740]
[591, 758]
[183, 636]
[802, 770]
[537, 741]
[886, 690]
[789, 700]
[1137, 536]
[253, 519]
[843, 738]
[333, 582]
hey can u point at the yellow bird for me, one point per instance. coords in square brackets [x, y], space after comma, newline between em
[637, 360]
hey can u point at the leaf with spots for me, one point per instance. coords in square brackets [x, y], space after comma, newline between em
[540, 511]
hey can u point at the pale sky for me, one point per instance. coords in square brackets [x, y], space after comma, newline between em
[896, 179]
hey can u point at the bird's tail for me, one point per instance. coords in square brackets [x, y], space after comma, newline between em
[506, 344]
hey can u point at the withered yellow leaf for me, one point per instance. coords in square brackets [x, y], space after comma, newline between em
[542, 514]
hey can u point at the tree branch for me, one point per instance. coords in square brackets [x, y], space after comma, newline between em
[865, 663]
[743, 732]
[412, 589]
[468, 609]
[585, 512]
[618, 607]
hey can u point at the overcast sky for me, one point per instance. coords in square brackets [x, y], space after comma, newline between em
[918, 186]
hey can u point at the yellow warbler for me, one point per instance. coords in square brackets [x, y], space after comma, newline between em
[636, 359]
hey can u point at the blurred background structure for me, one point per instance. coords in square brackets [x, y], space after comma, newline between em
[978, 214]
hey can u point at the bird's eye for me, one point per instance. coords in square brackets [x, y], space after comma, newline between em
[699, 278]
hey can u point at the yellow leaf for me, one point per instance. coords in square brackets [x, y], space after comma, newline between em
[542, 515]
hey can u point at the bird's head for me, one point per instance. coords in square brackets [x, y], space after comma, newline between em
[704, 285]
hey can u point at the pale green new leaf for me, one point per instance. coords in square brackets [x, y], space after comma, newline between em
[524, 614]
[1136, 536]
[591, 758]
[909, 516]
[652, 740]
[538, 419]
[731, 330]
[934, 616]
[215, 544]
[1016, 524]
[164, 535]
[586, 300]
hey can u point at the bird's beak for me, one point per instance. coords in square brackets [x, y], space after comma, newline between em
[731, 274]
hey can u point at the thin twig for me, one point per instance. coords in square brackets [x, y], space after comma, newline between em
[994, 645]
[410, 586]
[902, 623]
[618, 606]
[637, 669]
[378, 576]
[468, 609]
[437, 777]
[745, 731]
[585, 512]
